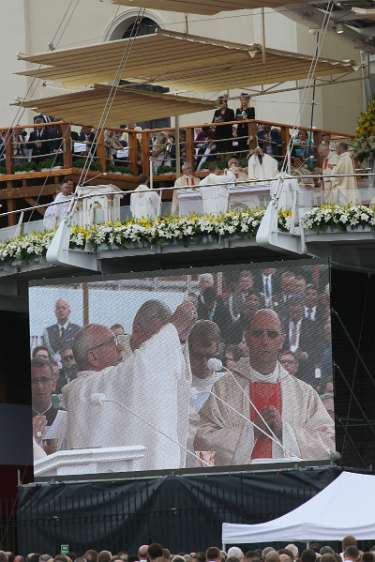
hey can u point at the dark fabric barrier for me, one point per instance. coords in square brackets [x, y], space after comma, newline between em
[184, 513]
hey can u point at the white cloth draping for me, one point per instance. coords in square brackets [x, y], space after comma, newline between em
[144, 203]
[215, 197]
[344, 189]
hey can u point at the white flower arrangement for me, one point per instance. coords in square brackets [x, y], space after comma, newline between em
[342, 218]
[195, 228]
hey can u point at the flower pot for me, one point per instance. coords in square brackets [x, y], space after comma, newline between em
[359, 228]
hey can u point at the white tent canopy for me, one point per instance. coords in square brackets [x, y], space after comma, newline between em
[344, 507]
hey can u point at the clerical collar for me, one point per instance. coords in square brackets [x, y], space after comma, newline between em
[273, 377]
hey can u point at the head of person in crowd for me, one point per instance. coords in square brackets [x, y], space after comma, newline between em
[326, 550]
[142, 552]
[41, 352]
[204, 343]
[62, 311]
[308, 555]
[155, 552]
[236, 552]
[328, 557]
[251, 555]
[167, 554]
[43, 383]
[210, 297]
[222, 102]
[67, 187]
[264, 338]
[244, 101]
[315, 546]
[351, 553]
[32, 557]
[293, 549]
[268, 270]
[285, 555]
[104, 556]
[368, 557]
[187, 170]
[311, 296]
[299, 285]
[296, 308]
[190, 296]
[178, 558]
[67, 358]
[45, 557]
[266, 551]
[291, 364]
[246, 281]
[205, 280]
[118, 329]
[287, 282]
[253, 302]
[184, 318]
[232, 355]
[272, 557]
[323, 150]
[348, 540]
[149, 320]
[213, 554]
[341, 148]
[95, 348]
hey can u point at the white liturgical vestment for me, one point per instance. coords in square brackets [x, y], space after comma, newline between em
[56, 213]
[147, 403]
[344, 188]
[307, 429]
[215, 197]
[265, 170]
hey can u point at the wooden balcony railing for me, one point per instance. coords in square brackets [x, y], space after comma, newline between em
[25, 175]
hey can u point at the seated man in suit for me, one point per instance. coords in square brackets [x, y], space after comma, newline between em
[60, 335]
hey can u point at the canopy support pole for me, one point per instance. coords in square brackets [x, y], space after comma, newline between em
[263, 36]
[178, 148]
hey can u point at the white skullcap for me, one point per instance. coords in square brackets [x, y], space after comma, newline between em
[235, 552]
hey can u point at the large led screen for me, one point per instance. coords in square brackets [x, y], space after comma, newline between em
[217, 367]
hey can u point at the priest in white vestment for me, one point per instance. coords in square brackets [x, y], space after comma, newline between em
[261, 395]
[186, 180]
[144, 202]
[54, 214]
[344, 188]
[262, 166]
[146, 394]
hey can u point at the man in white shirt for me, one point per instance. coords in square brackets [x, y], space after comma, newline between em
[262, 395]
[186, 180]
[54, 214]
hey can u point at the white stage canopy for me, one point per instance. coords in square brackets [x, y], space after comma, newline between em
[344, 507]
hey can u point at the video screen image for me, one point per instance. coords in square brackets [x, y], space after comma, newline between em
[182, 370]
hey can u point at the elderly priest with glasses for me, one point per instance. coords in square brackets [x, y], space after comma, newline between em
[259, 411]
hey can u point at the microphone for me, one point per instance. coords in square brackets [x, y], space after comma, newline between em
[215, 365]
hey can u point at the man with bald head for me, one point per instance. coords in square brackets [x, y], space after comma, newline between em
[261, 411]
[136, 386]
[62, 333]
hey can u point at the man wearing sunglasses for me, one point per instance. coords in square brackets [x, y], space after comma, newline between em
[261, 411]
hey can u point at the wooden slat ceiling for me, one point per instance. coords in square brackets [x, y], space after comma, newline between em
[129, 106]
[204, 7]
[178, 61]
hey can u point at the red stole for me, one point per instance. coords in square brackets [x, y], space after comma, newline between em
[263, 394]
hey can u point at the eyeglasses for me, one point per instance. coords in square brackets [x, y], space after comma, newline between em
[41, 380]
[271, 334]
[113, 340]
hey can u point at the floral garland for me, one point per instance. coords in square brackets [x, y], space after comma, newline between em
[193, 228]
[341, 218]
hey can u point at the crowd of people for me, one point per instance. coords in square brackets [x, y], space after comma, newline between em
[239, 371]
[349, 552]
